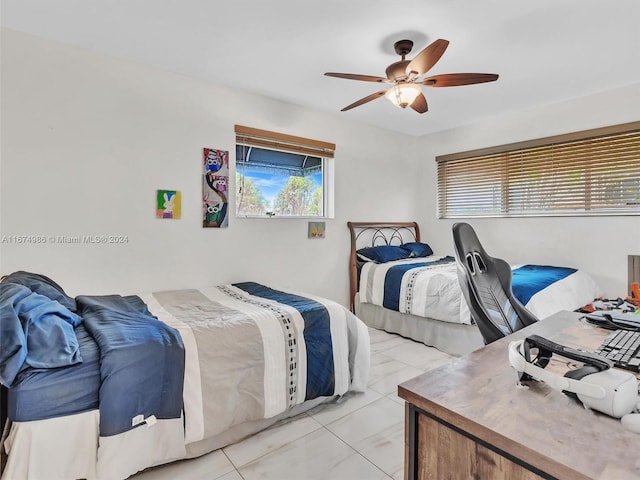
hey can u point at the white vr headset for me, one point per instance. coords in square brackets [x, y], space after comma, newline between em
[597, 385]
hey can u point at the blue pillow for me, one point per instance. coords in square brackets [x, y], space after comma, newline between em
[417, 249]
[383, 253]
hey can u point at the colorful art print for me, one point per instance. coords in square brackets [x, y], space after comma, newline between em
[215, 160]
[215, 187]
[214, 208]
[316, 230]
[168, 204]
[218, 183]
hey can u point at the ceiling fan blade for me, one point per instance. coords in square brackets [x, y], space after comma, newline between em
[366, 99]
[427, 58]
[353, 76]
[456, 79]
[420, 104]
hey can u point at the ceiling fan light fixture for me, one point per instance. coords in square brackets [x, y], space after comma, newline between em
[405, 77]
[403, 94]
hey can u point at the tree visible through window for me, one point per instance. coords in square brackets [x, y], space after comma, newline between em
[278, 183]
[287, 179]
[250, 199]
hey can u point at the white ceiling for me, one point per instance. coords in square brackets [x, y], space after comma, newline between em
[545, 51]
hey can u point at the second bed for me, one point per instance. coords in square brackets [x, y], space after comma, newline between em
[399, 285]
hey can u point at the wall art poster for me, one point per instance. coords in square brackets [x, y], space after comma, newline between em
[168, 204]
[215, 188]
[316, 230]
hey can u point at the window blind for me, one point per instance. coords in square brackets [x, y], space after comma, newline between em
[254, 137]
[596, 172]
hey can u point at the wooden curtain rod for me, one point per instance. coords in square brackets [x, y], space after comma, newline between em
[266, 134]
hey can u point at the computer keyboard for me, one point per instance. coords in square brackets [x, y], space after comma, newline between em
[622, 348]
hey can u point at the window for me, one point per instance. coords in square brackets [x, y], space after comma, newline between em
[281, 175]
[595, 172]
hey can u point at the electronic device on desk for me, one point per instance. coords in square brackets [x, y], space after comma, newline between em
[622, 347]
[628, 305]
[597, 385]
[614, 319]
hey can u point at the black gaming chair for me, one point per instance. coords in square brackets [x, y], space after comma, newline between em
[486, 286]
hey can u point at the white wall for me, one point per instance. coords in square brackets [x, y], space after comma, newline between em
[88, 139]
[599, 245]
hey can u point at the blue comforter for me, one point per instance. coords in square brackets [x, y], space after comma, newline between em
[530, 279]
[35, 330]
[141, 358]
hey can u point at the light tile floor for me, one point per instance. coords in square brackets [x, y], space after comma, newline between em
[360, 437]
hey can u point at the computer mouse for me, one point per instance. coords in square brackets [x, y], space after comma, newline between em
[631, 422]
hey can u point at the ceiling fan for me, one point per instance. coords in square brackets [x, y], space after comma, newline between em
[404, 77]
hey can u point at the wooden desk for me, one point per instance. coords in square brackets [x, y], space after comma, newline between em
[469, 420]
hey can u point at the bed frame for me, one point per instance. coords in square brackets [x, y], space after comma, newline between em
[371, 234]
[34, 446]
[451, 338]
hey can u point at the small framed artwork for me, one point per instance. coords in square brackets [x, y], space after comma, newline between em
[168, 204]
[316, 230]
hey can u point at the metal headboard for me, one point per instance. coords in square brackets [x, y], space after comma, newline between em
[369, 234]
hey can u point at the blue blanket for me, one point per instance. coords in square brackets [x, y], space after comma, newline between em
[42, 285]
[317, 336]
[35, 331]
[530, 279]
[141, 358]
[141, 361]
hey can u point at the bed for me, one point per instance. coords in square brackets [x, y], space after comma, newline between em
[398, 284]
[130, 382]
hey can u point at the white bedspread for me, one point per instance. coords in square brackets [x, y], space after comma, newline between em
[240, 352]
[434, 291]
